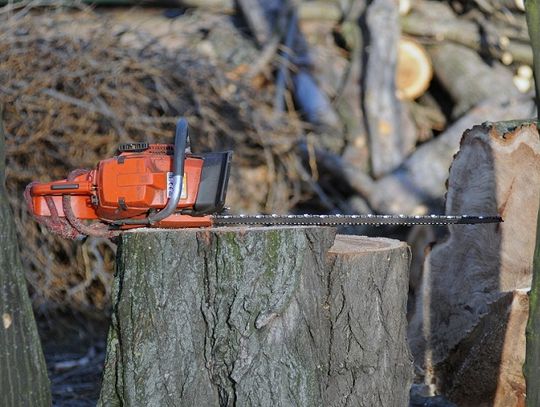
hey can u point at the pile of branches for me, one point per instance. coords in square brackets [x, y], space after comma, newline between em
[70, 97]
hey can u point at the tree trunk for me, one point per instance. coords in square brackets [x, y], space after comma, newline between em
[258, 317]
[469, 279]
[23, 375]
[532, 361]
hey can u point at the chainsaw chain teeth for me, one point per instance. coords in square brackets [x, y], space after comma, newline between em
[350, 220]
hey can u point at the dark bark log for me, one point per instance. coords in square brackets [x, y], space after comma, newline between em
[497, 171]
[254, 15]
[314, 104]
[23, 375]
[258, 316]
[348, 101]
[362, 331]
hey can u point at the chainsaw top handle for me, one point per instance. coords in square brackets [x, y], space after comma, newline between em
[180, 142]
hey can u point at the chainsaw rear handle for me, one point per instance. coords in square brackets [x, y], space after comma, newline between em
[180, 142]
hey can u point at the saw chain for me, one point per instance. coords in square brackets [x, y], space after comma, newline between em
[350, 220]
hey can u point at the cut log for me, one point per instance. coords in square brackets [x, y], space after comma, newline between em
[414, 70]
[497, 171]
[23, 376]
[258, 317]
[368, 334]
[348, 102]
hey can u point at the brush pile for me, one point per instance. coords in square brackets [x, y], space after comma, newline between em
[70, 96]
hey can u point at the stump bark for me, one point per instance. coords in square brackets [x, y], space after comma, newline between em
[23, 375]
[258, 317]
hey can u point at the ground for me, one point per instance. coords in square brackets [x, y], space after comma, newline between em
[74, 347]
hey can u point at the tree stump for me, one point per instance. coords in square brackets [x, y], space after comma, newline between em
[23, 375]
[475, 278]
[258, 317]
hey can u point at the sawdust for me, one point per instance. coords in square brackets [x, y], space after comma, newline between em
[75, 85]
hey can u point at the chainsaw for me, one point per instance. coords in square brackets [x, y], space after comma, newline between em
[166, 186]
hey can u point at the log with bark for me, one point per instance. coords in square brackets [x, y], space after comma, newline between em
[23, 374]
[468, 279]
[468, 79]
[380, 103]
[258, 316]
[492, 355]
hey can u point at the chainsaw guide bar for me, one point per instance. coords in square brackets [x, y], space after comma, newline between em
[350, 220]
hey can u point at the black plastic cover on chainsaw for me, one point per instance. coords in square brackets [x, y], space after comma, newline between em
[213, 185]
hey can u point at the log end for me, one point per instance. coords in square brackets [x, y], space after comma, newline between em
[355, 245]
[414, 70]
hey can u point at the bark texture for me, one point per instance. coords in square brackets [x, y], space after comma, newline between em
[461, 306]
[23, 375]
[258, 317]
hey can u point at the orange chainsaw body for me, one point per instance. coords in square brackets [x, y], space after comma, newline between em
[131, 184]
